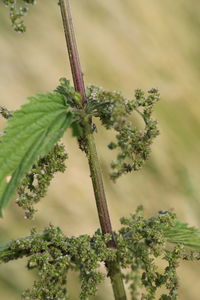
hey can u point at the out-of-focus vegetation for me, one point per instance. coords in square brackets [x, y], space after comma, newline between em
[123, 45]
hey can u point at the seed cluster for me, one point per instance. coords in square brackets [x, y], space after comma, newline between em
[34, 185]
[140, 243]
[18, 9]
[114, 111]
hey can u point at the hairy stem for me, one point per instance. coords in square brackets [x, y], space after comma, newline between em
[98, 187]
[113, 268]
[114, 271]
[72, 48]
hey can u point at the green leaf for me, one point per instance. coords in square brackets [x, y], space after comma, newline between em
[76, 129]
[31, 132]
[181, 233]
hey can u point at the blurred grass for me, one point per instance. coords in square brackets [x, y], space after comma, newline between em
[123, 45]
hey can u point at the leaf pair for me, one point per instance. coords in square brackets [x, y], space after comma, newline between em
[30, 133]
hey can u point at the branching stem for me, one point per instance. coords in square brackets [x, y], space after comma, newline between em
[114, 271]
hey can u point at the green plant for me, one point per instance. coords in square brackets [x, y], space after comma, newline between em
[33, 131]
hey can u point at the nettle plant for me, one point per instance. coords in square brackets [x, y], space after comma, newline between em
[30, 155]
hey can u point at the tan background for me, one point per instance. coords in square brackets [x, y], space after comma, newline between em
[124, 45]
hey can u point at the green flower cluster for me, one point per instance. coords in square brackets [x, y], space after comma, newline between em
[140, 242]
[46, 255]
[73, 99]
[114, 112]
[34, 185]
[18, 8]
[53, 255]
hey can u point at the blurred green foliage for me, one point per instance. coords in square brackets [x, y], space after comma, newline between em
[124, 45]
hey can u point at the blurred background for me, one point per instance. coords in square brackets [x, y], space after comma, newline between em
[123, 45]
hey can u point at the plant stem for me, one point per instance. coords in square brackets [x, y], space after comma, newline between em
[113, 268]
[98, 187]
[72, 49]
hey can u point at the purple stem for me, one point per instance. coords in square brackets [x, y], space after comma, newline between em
[72, 49]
